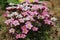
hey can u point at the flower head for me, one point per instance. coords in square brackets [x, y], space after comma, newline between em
[21, 20]
[24, 29]
[29, 26]
[12, 30]
[24, 13]
[35, 29]
[35, 7]
[47, 21]
[9, 21]
[20, 36]
[15, 23]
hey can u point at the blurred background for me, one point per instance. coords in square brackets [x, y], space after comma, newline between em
[54, 6]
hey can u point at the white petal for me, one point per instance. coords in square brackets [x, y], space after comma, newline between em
[53, 18]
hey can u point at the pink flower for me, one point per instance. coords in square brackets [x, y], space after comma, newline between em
[45, 14]
[28, 22]
[35, 7]
[19, 7]
[41, 6]
[12, 30]
[29, 26]
[20, 36]
[6, 14]
[40, 16]
[35, 29]
[26, 18]
[31, 18]
[35, 12]
[8, 8]
[47, 21]
[31, 13]
[21, 20]
[23, 27]
[15, 23]
[24, 13]
[9, 21]
[25, 31]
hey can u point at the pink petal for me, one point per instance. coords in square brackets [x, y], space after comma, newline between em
[25, 31]
[35, 29]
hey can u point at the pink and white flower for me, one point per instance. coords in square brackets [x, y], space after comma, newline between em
[35, 7]
[9, 21]
[24, 13]
[28, 22]
[25, 31]
[15, 23]
[8, 8]
[30, 18]
[6, 14]
[23, 27]
[20, 36]
[21, 20]
[14, 14]
[29, 26]
[26, 18]
[47, 21]
[19, 16]
[12, 30]
[35, 29]
[35, 12]
[31, 13]
[45, 14]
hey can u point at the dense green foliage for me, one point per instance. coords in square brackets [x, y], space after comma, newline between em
[3, 3]
[13, 1]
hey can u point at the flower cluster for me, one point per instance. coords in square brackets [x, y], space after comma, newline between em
[22, 18]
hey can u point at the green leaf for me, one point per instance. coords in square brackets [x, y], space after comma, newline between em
[13, 1]
[2, 4]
